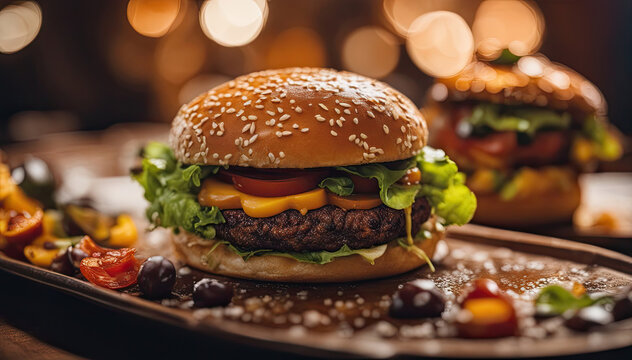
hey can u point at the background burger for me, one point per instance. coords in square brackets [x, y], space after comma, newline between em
[521, 132]
[303, 175]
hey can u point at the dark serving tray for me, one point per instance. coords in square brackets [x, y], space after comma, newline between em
[520, 262]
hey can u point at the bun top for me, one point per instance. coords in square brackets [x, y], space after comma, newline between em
[533, 80]
[298, 118]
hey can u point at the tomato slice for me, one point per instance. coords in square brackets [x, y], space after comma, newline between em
[109, 268]
[363, 185]
[355, 201]
[545, 148]
[273, 183]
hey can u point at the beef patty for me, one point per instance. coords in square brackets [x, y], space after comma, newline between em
[327, 228]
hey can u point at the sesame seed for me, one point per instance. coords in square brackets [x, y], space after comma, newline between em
[220, 133]
[363, 135]
[280, 125]
[228, 156]
[339, 122]
[355, 121]
[216, 116]
[320, 118]
[298, 109]
[276, 100]
[344, 105]
[295, 126]
[403, 129]
[370, 113]
[337, 110]
[230, 111]
[248, 103]
[278, 134]
[399, 141]
[271, 113]
[252, 117]
[323, 106]
[287, 133]
[279, 110]
[239, 113]
[333, 133]
[331, 122]
[284, 117]
[244, 118]
[238, 141]
[347, 111]
[304, 130]
[246, 127]
[281, 154]
[244, 157]
[215, 155]
[292, 101]
[352, 137]
[259, 106]
[271, 156]
[385, 128]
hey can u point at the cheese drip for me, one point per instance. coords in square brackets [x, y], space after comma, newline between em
[410, 241]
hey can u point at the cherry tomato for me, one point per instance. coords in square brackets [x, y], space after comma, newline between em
[273, 183]
[355, 201]
[363, 185]
[486, 312]
[412, 177]
[22, 227]
[109, 268]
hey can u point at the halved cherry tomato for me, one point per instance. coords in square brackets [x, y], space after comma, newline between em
[487, 312]
[364, 185]
[109, 268]
[273, 183]
[355, 201]
[412, 177]
[22, 227]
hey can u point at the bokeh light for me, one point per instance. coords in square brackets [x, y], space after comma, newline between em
[507, 24]
[153, 18]
[440, 43]
[296, 46]
[233, 22]
[19, 25]
[370, 51]
[402, 13]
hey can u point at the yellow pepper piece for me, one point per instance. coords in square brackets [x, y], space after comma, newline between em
[40, 256]
[124, 233]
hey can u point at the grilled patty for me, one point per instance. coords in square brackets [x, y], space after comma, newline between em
[327, 228]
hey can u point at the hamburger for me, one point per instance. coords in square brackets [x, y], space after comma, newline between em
[522, 132]
[303, 175]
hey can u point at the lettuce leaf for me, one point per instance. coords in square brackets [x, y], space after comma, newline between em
[171, 189]
[527, 120]
[342, 186]
[314, 257]
[444, 187]
[606, 145]
[393, 195]
[555, 300]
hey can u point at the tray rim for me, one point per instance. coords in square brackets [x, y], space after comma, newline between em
[619, 334]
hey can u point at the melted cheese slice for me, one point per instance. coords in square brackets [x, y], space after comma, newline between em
[225, 196]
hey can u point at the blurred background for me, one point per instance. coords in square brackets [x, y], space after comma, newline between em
[87, 65]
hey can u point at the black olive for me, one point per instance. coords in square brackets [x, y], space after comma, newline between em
[210, 293]
[417, 299]
[588, 318]
[62, 265]
[75, 255]
[156, 277]
[623, 306]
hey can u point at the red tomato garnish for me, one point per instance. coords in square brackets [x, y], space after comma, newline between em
[109, 268]
[483, 288]
[364, 185]
[545, 148]
[272, 183]
[486, 312]
[23, 228]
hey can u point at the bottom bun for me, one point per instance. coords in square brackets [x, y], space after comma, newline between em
[533, 210]
[223, 261]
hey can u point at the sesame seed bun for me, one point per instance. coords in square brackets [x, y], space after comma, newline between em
[223, 261]
[533, 80]
[298, 118]
[539, 209]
